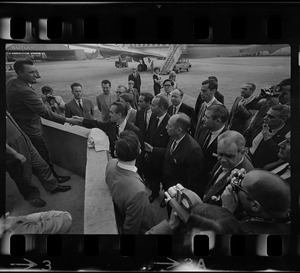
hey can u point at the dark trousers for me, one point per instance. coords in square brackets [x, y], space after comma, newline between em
[153, 180]
[156, 89]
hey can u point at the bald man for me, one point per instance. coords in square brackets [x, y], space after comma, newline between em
[265, 197]
[178, 106]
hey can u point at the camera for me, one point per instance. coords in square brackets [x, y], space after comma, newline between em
[267, 92]
[236, 178]
[182, 200]
[51, 99]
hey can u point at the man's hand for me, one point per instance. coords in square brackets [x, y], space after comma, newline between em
[230, 199]
[266, 132]
[148, 147]
[20, 158]
[75, 120]
[175, 220]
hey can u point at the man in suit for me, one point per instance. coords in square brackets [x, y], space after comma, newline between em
[200, 100]
[27, 108]
[208, 90]
[156, 141]
[179, 106]
[230, 152]
[265, 197]
[129, 194]
[214, 124]
[144, 113]
[117, 124]
[281, 167]
[263, 144]
[183, 162]
[136, 78]
[79, 106]
[105, 100]
[241, 114]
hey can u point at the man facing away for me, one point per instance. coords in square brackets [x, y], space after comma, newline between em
[129, 194]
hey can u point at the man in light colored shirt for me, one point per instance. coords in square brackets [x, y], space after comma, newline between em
[105, 100]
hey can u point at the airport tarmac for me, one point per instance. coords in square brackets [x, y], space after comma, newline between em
[232, 73]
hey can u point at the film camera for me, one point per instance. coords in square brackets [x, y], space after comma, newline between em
[182, 200]
[51, 99]
[271, 91]
[236, 178]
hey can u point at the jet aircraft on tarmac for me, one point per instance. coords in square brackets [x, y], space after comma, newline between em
[170, 53]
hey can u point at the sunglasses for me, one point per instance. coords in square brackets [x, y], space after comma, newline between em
[167, 85]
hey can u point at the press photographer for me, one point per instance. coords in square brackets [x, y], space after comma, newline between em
[191, 216]
[54, 103]
[264, 196]
[269, 96]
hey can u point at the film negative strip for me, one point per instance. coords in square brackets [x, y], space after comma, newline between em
[89, 42]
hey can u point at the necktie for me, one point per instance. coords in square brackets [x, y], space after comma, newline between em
[156, 123]
[79, 103]
[145, 118]
[217, 174]
[174, 110]
[117, 131]
[173, 147]
[206, 142]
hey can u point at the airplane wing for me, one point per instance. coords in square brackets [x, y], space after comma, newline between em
[114, 50]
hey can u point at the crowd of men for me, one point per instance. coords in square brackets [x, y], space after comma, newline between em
[157, 141]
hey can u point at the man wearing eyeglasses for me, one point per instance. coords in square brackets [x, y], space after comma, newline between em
[265, 197]
[279, 94]
[281, 167]
[230, 153]
[263, 144]
[168, 88]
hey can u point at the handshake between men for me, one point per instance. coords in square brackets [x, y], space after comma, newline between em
[75, 120]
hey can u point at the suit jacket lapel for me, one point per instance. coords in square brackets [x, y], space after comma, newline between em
[161, 125]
